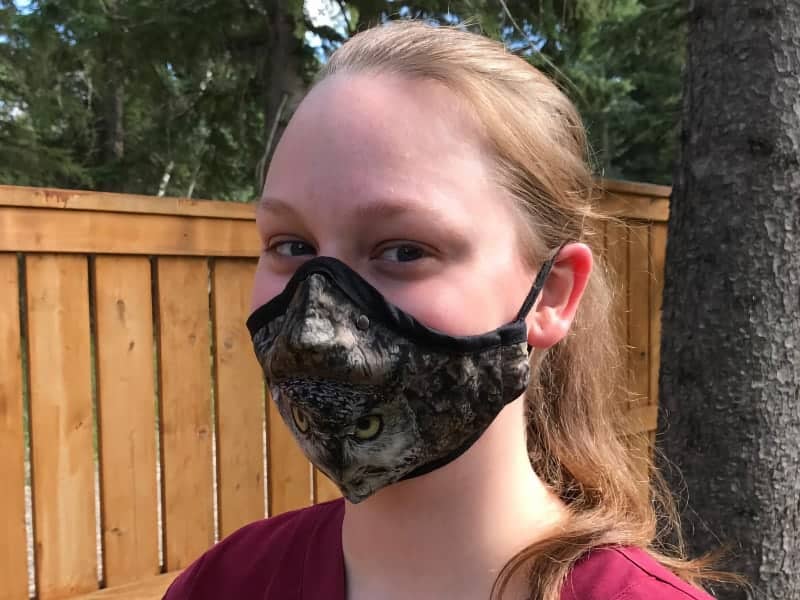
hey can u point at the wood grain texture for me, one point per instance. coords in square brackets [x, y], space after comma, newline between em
[95, 232]
[617, 260]
[657, 253]
[639, 282]
[639, 208]
[185, 376]
[239, 399]
[645, 193]
[148, 588]
[129, 203]
[635, 188]
[126, 412]
[288, 471]
[13, 556]
[324, 488]
[61, 425]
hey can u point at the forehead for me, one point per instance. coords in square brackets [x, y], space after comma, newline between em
[359, 138]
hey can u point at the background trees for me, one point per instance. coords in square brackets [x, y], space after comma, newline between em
[188, 97]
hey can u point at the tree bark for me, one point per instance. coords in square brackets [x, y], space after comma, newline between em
[114, 119]
[114, 91]
[282, 74]
[730, 370]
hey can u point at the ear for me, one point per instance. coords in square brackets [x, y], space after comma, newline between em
[554, 311]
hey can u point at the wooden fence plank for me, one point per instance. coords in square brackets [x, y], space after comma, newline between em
[639, 312]
[239, 399]
[94, 232]
[13, 555]
[185, 409]
[640, 208]
[617, 257]
[657, 253]
[129, 203]
[149, 588]
[288, 471]
[61, 425]
[324, 488]
[126, 412]
[634, 188]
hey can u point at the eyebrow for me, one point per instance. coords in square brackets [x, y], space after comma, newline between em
[386, 208]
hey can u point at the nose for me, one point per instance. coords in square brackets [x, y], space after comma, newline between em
[318, 322]
[323, 335]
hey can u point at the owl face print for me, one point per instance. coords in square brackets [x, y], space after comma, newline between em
[361, 438]
[370, 394]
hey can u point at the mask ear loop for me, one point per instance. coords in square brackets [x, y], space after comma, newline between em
[537, 287]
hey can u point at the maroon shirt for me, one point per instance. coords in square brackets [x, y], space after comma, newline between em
[298, 556]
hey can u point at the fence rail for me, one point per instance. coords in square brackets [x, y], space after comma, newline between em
[134, 429]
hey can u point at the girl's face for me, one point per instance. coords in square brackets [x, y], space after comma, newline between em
[388, 175]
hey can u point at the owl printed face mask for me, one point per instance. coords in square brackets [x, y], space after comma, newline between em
[372, 395]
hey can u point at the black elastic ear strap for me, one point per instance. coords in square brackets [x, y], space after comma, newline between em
[538, 284]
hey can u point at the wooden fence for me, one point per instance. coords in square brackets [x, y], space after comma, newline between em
[134, 431]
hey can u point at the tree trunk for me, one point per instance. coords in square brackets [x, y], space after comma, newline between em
[283, 76]
[730, 371]
[114, 118]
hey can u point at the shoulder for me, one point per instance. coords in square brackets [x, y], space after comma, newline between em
[250, 559]
[625, 573]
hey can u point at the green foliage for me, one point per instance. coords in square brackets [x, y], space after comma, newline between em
[178, 96]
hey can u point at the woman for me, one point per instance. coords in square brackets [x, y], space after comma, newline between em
[425, 297]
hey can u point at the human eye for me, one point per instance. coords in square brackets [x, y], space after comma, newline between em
[402, 252]
[291, 248]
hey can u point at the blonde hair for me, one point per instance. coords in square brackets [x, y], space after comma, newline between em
[539, 149]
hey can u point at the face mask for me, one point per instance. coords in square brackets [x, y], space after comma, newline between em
[372, 395]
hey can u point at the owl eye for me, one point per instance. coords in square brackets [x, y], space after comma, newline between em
[300, 419]
[368, 427]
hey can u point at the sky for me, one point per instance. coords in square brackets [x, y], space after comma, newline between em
[24, 5]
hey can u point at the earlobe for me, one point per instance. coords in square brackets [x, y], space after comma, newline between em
[554, 311]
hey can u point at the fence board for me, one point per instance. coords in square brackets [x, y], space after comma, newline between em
[128, 203]
[658, 254]
[183, 326]
[636, 207]
[126, 413]
[13, 557]
[149, 588]
[617, 259]
[324, 488]
[288, 471]
[95, 232]
[633, 188]
[239, 399]
[639, 312]
[61, 425]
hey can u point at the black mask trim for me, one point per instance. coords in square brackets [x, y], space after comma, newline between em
[375, 306]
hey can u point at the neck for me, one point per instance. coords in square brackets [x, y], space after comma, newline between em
[448, 534]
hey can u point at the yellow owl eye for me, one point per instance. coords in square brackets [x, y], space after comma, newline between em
[300, 419]
[368, 427]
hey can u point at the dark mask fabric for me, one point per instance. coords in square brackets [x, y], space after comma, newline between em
[371, 394]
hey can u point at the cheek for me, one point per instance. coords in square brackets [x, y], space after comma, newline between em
[460, 314]
[470, 304]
